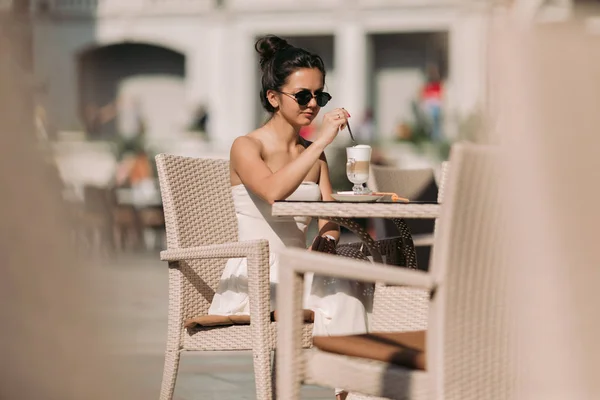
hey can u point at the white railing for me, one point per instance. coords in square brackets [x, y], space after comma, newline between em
[122, 7]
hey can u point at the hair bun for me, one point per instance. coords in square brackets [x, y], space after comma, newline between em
[268, 46]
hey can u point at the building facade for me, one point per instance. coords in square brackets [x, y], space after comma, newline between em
[177, 55]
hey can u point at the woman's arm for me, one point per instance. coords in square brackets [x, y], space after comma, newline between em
[326, 227]
[247, 163]
[254, 173]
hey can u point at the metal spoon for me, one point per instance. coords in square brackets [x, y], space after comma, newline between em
[350, 132]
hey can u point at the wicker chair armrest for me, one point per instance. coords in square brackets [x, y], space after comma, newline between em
[297, 262]
[259, 294]
[222, 250]
[301, 261]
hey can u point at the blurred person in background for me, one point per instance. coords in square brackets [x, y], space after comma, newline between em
[98, 120]
[121, 116]
[135, 171]
[135, 174]
[41, 123]
[200, 120]
[129, 116]
[44, 127]
[431, 101]
[275, 163]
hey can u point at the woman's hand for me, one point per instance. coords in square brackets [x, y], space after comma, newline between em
[333, 122]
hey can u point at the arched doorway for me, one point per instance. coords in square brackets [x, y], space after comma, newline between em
[127, 87]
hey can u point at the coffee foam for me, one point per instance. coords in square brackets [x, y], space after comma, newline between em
[359, 153]
[362, 146]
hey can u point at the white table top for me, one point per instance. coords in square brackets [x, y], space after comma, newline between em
[356, 210]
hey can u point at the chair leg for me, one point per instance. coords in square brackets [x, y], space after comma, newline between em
[274, 375]
[262, 373]
[170, 374]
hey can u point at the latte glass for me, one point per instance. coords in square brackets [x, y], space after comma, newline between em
[357, 167]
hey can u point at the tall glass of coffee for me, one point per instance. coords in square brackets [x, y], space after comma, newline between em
[357, 167]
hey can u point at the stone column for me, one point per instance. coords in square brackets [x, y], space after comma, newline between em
[467, 53]
[232, 94]
[526, 10]
[245, 95]
[198, 73]
[220, 84]
[351, 69]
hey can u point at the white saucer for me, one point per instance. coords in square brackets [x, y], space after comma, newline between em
[354, 198]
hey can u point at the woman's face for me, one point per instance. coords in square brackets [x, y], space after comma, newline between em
[310, 79]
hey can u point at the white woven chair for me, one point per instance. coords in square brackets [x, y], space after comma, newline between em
[393, 299]
[201, 235]
[469, 352]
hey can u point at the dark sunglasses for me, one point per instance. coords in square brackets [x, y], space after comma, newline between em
[304, 97]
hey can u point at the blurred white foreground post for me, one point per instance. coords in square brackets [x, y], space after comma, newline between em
[546, 99]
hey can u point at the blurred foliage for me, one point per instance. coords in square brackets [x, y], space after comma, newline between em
[135, 146]
[126, 145]
[471, 128]
[419, 132]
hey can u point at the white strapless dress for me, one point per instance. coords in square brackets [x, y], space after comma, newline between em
[340, 305]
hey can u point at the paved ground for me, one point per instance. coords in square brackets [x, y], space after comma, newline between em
[140, 320]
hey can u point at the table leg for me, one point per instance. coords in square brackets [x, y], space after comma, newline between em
[364, 236]
[408, 247]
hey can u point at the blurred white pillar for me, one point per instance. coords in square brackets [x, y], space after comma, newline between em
[467, 48]
[351, 69]
[245, 96]
[231, 82]
[221, 90]
[526, 10]
[554, 220]
[197, 76]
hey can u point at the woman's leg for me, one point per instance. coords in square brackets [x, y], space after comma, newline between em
[340, 307]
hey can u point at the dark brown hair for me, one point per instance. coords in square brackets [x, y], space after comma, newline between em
[278, 60]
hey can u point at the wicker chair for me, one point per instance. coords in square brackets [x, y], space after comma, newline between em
[469, 352]
[409, 183]
[409, 307]
[201, 235]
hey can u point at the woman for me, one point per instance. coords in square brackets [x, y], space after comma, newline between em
[275, 163]
[431, 101]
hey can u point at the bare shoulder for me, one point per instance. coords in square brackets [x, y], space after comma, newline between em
[244, 144]
[245, 150]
